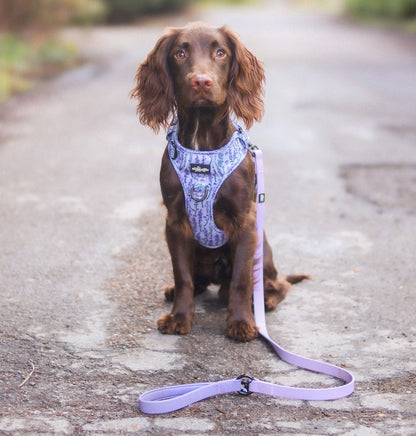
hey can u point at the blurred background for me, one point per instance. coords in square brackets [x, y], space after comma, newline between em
[31, 48]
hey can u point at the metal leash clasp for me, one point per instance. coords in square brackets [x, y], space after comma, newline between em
[245, 384]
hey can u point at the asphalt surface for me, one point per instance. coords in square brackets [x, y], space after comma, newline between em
[83, 260]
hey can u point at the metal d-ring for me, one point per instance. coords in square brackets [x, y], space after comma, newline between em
[245, 381]
[197, 198]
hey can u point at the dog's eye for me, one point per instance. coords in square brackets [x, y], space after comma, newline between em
[180, 54]
[220, 53]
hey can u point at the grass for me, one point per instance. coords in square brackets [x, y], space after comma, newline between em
[22, 63]
[396, 14]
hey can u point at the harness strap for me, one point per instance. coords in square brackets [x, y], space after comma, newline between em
[202, 173]
[169, 399]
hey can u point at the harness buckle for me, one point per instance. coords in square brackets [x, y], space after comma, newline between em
[245, 384]
[252, 148]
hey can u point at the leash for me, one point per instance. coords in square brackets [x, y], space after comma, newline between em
[169, 399]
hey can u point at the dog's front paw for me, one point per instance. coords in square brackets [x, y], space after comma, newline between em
[174, 324]
[242, 331]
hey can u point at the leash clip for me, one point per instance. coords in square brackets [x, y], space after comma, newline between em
[245, 384]
[252, 148]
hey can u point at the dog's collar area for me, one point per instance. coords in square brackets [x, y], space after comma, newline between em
[176, 147]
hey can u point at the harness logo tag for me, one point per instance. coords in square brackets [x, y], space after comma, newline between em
[200, 168]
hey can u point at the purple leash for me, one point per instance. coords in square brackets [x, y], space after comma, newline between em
[169, 399]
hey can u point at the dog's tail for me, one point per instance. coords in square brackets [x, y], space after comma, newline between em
[296, 278]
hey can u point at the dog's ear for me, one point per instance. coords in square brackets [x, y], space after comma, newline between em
[154, 87]
[246, 81]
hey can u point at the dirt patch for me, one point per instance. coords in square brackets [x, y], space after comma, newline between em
[138, 287]
[63, 383]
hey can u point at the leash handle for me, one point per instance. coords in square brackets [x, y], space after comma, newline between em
[169, 399]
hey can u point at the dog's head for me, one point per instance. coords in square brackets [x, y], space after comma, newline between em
[198, 66]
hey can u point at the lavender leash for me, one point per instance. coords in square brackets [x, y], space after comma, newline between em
[169, 399]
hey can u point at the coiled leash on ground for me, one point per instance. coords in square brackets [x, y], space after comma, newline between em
[169, 399]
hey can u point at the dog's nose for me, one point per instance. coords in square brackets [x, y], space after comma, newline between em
[201, 82]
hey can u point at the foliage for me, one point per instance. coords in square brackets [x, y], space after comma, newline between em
[13, 55]
[28, 49]
[395, 9]
[45, 15]
[127, 10]
[21, 62]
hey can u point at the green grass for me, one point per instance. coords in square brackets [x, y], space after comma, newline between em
[398, 13]
[389, 9]
[22, 63]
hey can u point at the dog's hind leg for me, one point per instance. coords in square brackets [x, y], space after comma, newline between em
[200, 286]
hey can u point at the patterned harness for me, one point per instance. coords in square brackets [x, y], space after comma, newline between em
[201, 174]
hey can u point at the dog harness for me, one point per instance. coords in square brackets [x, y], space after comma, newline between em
[201, 174]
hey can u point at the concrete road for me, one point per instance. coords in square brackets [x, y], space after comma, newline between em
[83, 259]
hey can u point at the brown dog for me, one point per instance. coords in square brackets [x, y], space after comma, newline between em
[198, 76]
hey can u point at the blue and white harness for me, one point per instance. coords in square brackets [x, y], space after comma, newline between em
[201, 174]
